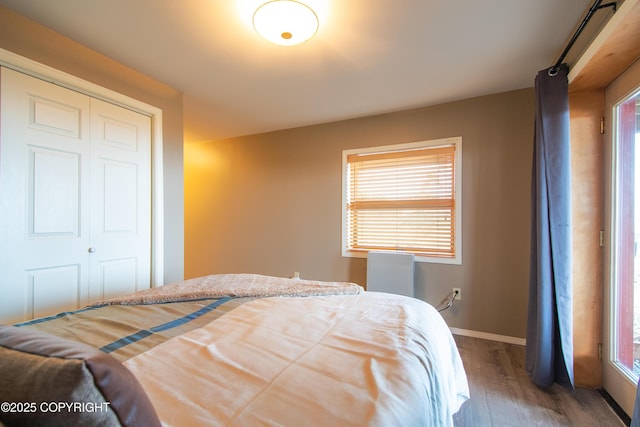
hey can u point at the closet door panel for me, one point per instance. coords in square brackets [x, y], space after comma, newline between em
[55, 117]
[53, 193]
[121, 207]
[50, 290]
[44, 196]
[115, 276]
[120, 196]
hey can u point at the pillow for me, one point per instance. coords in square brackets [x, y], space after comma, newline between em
[47, 380]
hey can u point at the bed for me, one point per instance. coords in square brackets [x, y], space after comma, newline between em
[236, 349]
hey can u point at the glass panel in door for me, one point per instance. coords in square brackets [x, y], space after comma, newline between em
[627, 337]
[622, 366]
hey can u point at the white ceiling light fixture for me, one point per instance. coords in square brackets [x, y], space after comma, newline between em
[285, 22]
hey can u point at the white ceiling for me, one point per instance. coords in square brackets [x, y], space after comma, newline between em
[368, 57]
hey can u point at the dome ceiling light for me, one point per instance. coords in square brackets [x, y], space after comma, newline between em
[285, 22]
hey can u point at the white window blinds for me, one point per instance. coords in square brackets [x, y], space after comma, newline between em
[402, 200]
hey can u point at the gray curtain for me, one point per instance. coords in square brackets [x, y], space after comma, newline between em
[549, 351]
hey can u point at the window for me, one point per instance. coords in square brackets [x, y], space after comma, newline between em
[404, 198]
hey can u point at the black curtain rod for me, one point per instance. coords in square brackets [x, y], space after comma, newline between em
[596, 6]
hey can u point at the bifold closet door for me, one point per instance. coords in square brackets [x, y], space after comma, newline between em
[65, 198]
[120, 258]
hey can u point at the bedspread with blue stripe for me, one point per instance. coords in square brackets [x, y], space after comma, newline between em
[125, 331]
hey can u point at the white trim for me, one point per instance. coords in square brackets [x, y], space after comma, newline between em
[488, 336]
[27, 66]
[615, 380]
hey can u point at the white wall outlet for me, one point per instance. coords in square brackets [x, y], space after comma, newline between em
[459, 294]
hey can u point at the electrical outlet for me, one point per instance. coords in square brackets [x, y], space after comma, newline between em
[459, 295]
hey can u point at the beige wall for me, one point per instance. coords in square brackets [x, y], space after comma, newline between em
[271, 204]
[33, 41]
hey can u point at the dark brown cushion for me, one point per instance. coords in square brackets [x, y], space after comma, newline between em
[39, 373]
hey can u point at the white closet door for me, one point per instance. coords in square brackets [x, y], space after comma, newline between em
[50, 194]
[44, 159]
[121, 194]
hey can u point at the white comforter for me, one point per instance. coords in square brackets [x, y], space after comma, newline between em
[371, 359]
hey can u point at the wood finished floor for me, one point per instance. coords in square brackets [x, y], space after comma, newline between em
[503, 395]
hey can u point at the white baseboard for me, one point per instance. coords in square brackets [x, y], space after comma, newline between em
[487, 336]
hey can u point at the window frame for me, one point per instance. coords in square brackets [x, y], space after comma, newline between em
[457, 142]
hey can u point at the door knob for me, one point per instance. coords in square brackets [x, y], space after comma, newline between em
[92, 250]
